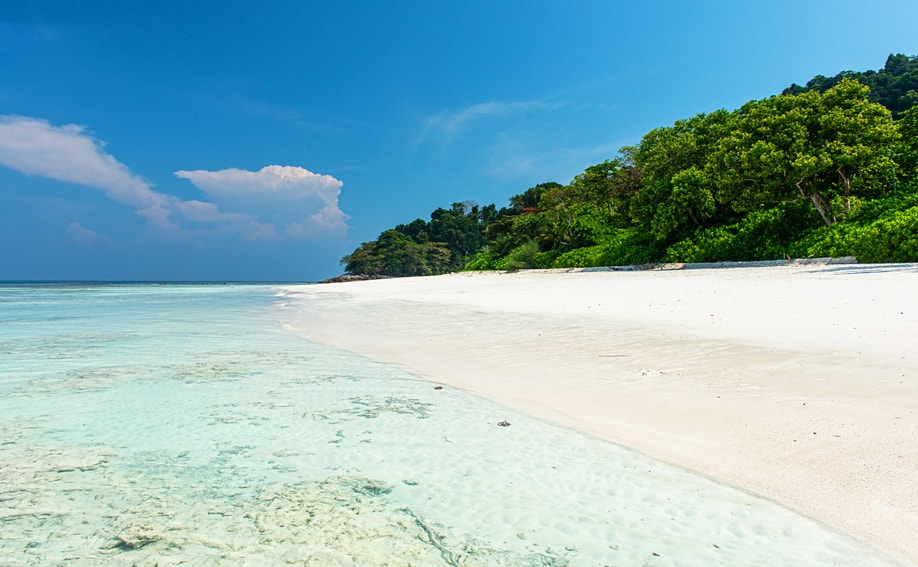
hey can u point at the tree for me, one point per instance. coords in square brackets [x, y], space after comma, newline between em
[364, 260]
[397, 254]
[748, 184]
[608, 185]
[528, 200]
[906, 152]
[459, 230]
[811, 146]
[889, 86]
[418, 230]
[678, 189]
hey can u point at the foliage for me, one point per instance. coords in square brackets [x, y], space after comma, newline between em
[530, 199]
[396, 254]
[895, 86]
[765, 234]
[906, 151]
[677, 192]
[484, 261]
[421, 248]
[523, 256]
[882, 233]
[810, 146]
[628, 247]
[822, 170]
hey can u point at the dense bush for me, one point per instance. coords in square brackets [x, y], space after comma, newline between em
[891, 238]
[765, 234]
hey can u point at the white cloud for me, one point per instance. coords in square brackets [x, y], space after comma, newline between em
[209, 214]
[66, 153]
[296, 200]
[273, 202]
[86, 237]
[451, 124]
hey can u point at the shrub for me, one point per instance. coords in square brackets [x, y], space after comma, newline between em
[765, 234]
[484, 261]
[523, 256]
[891, 238]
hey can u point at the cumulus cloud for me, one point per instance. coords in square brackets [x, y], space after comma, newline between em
[295, 200]
[273, 202]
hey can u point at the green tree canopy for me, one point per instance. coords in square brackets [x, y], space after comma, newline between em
[677, 192]
[895, 86]
[822, 169]
[812, 146]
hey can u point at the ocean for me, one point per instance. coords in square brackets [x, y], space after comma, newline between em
[173, 424]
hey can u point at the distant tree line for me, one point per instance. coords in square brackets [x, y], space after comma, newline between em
[422, 248]
[829, 169]
[895, 86]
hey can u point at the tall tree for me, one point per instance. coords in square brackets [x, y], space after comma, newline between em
[906, 153]
[677, 191]
[811, 146]
[895, 86]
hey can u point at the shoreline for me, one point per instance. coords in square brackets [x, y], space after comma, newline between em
[793, 382]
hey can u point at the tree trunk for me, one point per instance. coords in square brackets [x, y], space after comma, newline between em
[694, 217]
[823, 206]
[847, 184]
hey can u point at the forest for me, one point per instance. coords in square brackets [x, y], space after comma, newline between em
[827, 169]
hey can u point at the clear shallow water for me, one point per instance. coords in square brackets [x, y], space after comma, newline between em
[167, 425]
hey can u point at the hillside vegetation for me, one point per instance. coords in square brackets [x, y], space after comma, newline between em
[828, 169]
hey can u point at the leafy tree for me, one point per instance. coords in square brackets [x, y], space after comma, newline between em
[396, 254]
[890, 86]
[487, 215]
[459, 229]
[826, 169]
[608, 185]
[906, 152]
[677, 192]
[443, 244]
[808, 146]
[417, 229]
[528, 201]
[364, 260]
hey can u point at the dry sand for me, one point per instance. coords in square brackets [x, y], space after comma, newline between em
[798, 383]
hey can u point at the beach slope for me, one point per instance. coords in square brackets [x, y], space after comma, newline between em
[796, 382]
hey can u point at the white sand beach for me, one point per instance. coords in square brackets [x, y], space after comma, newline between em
[798, 383]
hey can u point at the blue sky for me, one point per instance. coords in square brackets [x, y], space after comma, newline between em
[158, 140]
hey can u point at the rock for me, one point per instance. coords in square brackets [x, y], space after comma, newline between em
[136, 536]
[352, 278]
[503, 423]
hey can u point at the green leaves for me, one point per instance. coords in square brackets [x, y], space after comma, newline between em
[423, 248]
[906, 150]
[397, 254]
[809, 146]
[818, 170]
[678, 188]
[891, 86]
[891, 238]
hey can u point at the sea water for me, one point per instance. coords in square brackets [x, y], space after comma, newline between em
[181, 424]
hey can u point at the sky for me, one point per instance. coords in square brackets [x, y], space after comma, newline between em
[262, 141]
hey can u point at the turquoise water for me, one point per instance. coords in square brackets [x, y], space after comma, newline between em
[169, 425]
